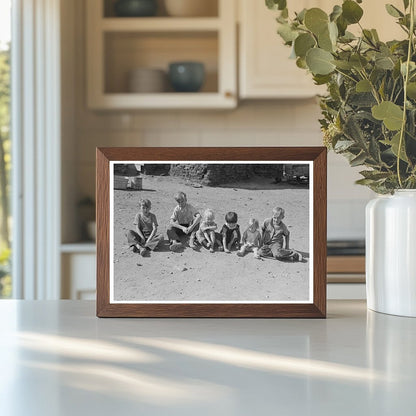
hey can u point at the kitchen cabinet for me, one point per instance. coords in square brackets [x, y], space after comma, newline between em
[265, 70]
[346, 277]
[78, 263]
[118, 45]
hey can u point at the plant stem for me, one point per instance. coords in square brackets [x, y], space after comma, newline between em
[405, 81]
[373, 88]
[346, 75]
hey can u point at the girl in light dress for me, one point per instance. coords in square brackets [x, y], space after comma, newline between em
[206, 234]
[251, 239]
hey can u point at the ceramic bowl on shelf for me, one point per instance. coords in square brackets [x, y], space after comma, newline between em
[135, 8]
[191, 8]
[186, 76]
[147, 80]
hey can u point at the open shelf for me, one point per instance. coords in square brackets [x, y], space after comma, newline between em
[116, 46]
[209, 9]
[126, 51]
[160, 24]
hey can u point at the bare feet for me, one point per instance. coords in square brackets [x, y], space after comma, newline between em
[175, 246]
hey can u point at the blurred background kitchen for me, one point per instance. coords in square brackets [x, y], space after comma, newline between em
[125, 80]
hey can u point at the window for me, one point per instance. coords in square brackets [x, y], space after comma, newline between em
[5, 147]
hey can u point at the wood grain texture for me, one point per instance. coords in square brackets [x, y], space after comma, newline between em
[103, 230]
[317, 309]
[346, 264]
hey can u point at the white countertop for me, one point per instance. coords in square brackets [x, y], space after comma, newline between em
[57, 358]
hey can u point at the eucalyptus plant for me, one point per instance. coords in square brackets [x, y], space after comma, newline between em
[369, 111]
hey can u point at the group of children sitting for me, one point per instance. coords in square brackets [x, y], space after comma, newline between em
[272, 240]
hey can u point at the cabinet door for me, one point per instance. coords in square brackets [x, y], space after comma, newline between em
[266, 71]
[78, 276]
[265, 68]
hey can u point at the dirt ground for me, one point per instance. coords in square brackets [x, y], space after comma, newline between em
[205, 276]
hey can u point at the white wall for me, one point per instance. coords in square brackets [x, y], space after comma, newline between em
[253, 123]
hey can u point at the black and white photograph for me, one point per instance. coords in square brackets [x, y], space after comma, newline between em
[211, 232]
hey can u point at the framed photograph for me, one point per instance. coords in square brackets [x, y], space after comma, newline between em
[211, 232]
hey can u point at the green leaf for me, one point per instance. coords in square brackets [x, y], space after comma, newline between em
[303, 43]
[344, 65]
[406, 4]
[287, 33]
[374, 174]
[362, 99]
[391, 114]
[393, 11]
[336, 12]
[394, 143]
[368, 36]
[358, 61]
[374, 151]
[382, 89]
[363, 86]
[375, 35]
[321, 79]
[405, 21]
[276, 4]
[325, 42]
[358, 160]
[353, 131]
[301, 63]
[384, 62]
[343, 145]
[411, 123]
[316, 20]
[411, 90]
[333, 32]
[396, 70]
[365, 182]
[319, 61]
[412, 67]
[347, 37]
[342, 25]
[282, 20]
[292, 52]
[301, 15]
[351, 11]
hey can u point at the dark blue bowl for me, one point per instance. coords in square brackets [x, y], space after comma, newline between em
[135, 8]
[186, 76]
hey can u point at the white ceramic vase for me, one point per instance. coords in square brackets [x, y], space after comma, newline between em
[391, 253]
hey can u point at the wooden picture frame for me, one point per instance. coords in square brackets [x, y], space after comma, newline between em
[124, 277]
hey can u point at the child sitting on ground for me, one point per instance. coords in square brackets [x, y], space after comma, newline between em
[230, 232]
[144, 239]
[274, 233]
[251, 239]
[184, 221]
[206, 234]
